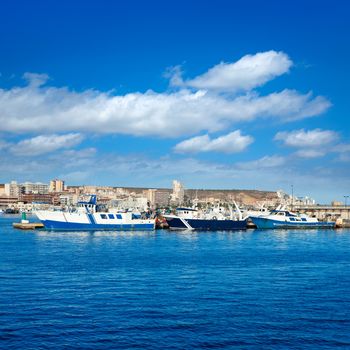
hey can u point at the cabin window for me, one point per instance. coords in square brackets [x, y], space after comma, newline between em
[118, 216]
[303, 219]
[292, 219]
[103, 216]
[111, 216]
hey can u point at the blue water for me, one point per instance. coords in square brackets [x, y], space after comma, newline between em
[163, 290]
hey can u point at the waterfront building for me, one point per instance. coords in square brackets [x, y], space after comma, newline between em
[68, 199]
[37, 188]
[161, 197]
[73, 189]
[2, 190]
[138, 203]
[89, 189]
[291, 200]
[178, 194]
[303, 201]
[106, 192]
[119, 191]
[7, 201]
[157, 197]
[325, 212]
[36, 197]
[12, 189]
[150, 194]
[56, 185]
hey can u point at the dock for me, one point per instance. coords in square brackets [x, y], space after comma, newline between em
[326, 212]
[27, 225]
[24, 224]
[341, 223]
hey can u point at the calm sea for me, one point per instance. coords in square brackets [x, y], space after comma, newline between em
[284, 289]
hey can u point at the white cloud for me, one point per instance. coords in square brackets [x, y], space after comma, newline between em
[314, 143]
[80, 154]
[311, 138]
[35, 79]
[230, 143]
[311, 144]
[174, 74]
[344, 157]
[263, 163]
[310, 153]
[3, 144]
[76, 176]
[247, 73]
[41, 109]
[45, 144]
[342, 148]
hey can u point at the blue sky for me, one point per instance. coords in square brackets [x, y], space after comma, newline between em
[217, 94]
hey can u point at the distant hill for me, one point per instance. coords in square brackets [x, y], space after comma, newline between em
[248, 197]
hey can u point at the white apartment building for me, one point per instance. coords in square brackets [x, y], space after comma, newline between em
[138, 203]
[56, 185]
[178, 194]
[14, 189]
[69, 199]
[37, 187]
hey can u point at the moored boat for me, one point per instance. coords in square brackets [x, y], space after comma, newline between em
[88, 217]
[192, 219]
[287, 219]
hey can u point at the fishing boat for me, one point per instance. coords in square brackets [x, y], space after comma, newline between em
[89, 216]
[212, 220]
[287, 219]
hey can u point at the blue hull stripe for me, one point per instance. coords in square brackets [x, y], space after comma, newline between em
[69, 226]
[91, 218]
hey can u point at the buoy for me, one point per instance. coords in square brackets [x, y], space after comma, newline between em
[24, 218]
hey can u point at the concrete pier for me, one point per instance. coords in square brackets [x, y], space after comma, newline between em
[325, 212]
[27, 225]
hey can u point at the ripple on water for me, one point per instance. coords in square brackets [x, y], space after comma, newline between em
[165, 290]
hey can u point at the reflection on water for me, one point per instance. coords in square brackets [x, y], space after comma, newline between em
[90, 235]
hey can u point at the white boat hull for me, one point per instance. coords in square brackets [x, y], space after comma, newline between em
[73, 221]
